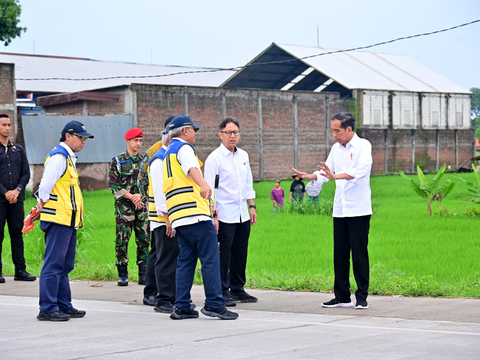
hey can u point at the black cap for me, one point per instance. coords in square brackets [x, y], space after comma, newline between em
[168, 121]
[76, 128]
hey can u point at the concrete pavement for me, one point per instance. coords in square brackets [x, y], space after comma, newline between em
[282, 325]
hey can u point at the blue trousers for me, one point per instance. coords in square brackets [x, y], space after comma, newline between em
[59, 260]
[198, 241]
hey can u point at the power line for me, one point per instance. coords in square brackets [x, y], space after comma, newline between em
[238, 68]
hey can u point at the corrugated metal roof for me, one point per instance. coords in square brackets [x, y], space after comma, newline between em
[29, 67]
[358, 70]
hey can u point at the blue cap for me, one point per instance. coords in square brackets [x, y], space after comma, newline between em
[76, 128]
[179, 121]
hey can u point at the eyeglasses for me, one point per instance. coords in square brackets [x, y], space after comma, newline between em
[191, 127]
[82, 138]
[230, 133]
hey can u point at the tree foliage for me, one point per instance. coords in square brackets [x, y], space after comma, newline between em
[476, 110]
[10, 11]
[475, 101]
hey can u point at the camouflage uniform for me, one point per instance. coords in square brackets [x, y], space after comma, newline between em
[123, 176]
[142, 181]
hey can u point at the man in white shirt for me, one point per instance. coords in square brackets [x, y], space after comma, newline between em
[349, 164]
[60, 209]
[235, 190]
[187, 195]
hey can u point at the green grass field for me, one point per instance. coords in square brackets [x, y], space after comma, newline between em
[410, 253]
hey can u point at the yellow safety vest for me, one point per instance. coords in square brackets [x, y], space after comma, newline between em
[182, 193]
[152, 209]
[65, 206]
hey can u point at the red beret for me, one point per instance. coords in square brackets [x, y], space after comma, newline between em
[133, 133]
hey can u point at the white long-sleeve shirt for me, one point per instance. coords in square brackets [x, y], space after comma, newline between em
[353, 196]
[54, 169]
[235, 186]
[156, 176]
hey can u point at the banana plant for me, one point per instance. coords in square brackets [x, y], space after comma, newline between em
[430, 190]
[474, 189]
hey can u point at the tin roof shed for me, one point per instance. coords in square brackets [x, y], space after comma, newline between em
[293, 67]
[54, 74]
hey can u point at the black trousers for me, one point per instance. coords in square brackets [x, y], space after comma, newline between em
[351, 234]
[233, 239]
[13, 214]
[161, 267]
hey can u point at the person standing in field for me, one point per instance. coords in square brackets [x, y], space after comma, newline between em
[277, 196]
[235, 192]
[297, 190]
[349, 164]
[313, 191]
[129, 212]
[60, 209]
[14, 176]
[187, 194]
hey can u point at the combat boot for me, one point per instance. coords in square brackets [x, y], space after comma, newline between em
[122, 275]
[142, 269]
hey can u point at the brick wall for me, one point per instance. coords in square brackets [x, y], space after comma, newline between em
[7, 96]
[87, 107]
[282, 115]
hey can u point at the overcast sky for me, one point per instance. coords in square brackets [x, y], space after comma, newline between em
[229, 34]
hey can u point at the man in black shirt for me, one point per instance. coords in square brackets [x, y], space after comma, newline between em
[14, 176]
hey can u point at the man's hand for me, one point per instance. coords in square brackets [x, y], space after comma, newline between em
[136, 199]
[304, 175]
[168, 224]
[215, 220]
[205, 190]
[138, 205]
[327, 172]
[12, 196]
[38, 208]
[253, 216]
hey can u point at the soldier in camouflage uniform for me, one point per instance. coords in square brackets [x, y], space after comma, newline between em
[129, 208]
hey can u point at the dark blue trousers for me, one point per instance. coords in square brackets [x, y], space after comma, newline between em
[198, 241]
[59, 260]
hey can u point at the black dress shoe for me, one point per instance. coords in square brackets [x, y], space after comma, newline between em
[2, 279]
[150, 301]
[74, 313]
[242, 296]
[53, 316]
[164, 308]
[229, 301]
[22, 275]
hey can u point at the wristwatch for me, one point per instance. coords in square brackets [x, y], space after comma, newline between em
[19, 188]
[252, 206]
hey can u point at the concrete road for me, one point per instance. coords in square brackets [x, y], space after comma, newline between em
[282, 325]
